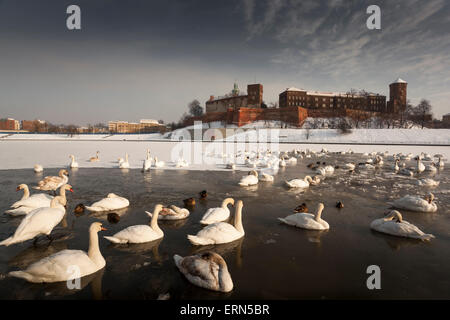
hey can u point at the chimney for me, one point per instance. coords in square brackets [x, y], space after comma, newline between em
[211, 98]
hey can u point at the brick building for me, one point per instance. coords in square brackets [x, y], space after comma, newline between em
[144, 125]
[34, 125]
[397, 96]
[9, 124]
[236, 100]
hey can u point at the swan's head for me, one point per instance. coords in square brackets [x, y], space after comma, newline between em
[111, 195]
[320, 207]
[227, 201]
[96, 227]
[68, 187]
[239, 205]
[213, 257]
[253, 172]
[63, 172]
[395, 215]
[158, 208]
[21, 186]
[429, 197]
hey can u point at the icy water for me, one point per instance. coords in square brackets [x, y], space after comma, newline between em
[272, 261]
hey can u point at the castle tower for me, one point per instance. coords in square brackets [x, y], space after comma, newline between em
[255, 95]
[397, 96]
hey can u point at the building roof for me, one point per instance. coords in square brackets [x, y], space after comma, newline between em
[400, 80]
[294, 89]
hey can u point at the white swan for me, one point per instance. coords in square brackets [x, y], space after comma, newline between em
[206, 270]
[29, 203]
[350, 166]
[147, 162]
[73, 163]
[415, 203]
[250, 179]
[221, 232]
[37, 222]
[53, 182]
[427, 182]
[158, 164]
[181, 163]
[420, 167]
[222, 213]
[58, 266]
[125, 164]
[394, 225]
[140, 233]
[171, 213]
[38, 168]
[431, 168]
[306, 220]
[406, 172]
[282, 163]
[292, 160]
[440, 163]
[299, 183]
[266, 177]
[111, 202]
[395, 166]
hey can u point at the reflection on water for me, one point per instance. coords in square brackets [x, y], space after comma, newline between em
[329, 264]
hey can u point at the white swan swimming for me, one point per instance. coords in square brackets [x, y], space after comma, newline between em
[111, 202]
[147, 162]
[420, 167]
[221, 232]
[395, 166]
[282, 163]
[206, 270]
[306, 220]
[171, 212]
[38, 168]
[430, 168]
[415, 203]
[53, 182]
[440, 163]
[266, 177]
[73, 163]
[37, 222]
[125, 164]
[58, 266]
[140, 233]
[393, 224]
[222, 213]
[350, 166]
[250, 179]
[299, 183]
[29, 203]
[427, 182]
[158, 164]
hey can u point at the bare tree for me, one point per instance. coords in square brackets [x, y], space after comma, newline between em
[423, 112]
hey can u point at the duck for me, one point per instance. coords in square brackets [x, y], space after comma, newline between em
[171, 212]
[231, 166]
[301, 208]
[79, 208]
[266, 177]
[38, 168]
[140, 233]
[111, 202]
[189, 202]
[299, 183]
[222, 213]
[96, 158]
[306, 220]
[203, 194]
[57, 267]
[41, 200]
[53, 182]
[113, 217]
[250, 179]
[73, 163]
[37, 222]
[394, 225]
[339, 205]
[158, 164]
[406, 172]
[415, 203]
[207, 270]
[431, 168]
[147, 162]
[125, 164]
[427, 182]
[221, 232]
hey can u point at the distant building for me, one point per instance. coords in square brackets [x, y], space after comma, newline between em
[144, 125]
[34, 125]
[236, 100]
[446, 119]
[397, 96]
[9, 124]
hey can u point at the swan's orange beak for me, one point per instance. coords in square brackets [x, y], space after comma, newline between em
[103, 229]
[71, 190]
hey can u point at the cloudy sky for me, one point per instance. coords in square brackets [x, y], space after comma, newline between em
[147, 59]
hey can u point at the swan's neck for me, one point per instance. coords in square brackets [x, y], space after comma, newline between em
[308, 179]
[62, 194]
[238, 220]
[225, 204]
[94, 250]
[224, 277]
[318, 215]
[26, 193]
[154, 222]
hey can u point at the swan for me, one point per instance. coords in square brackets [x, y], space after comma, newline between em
[158, 164]
[299, 183]
[206, 270]
[37, 222]
[53, 182]
[250, 179]
[221, 232]
[125, 164]
[38, 168]
[181, 163]
[292, 160]
[420, 167]
[350, 166]
[394, 225]
[96, 158]
[321, 171]
[415, 203]
[147, 162]
[111, 202]
[266, 177]
[395, 166]
[57, 267]
[306, 220]
[140, 233]
[29, 203]
[282, 163]
[222, 213]
[440, 163]
[171, 213]
[329, 169]
[431, 168]
[427, 182]
[73, 164]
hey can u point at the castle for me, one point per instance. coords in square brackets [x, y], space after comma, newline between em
[295, 105]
